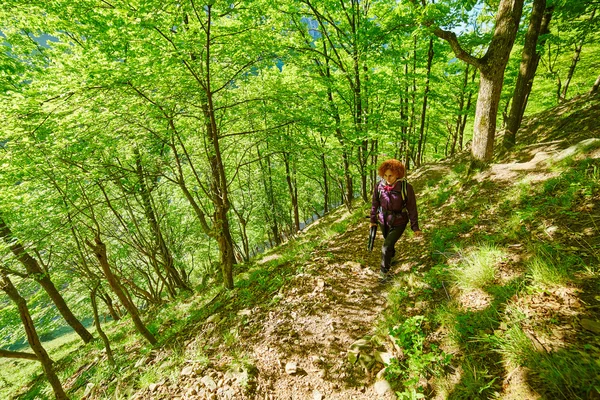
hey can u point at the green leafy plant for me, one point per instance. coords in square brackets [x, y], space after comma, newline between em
[420, 358]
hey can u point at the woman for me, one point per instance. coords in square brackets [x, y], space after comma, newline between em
[393, 205]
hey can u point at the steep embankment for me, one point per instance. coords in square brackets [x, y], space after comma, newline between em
[499, 299]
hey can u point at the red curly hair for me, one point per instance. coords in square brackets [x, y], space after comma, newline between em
[394, 165]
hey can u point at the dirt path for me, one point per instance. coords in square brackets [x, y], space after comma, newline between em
[298, 348]
[335, 302]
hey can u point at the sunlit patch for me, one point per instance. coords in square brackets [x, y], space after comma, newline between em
[475, 300]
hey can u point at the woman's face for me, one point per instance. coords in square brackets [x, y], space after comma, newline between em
[390, 177]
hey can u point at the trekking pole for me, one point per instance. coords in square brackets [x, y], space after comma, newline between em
[372, 234]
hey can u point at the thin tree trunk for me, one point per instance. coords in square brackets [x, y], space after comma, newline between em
[109, 304]
[420, 145]
[219, 190]
[99, 250]
[270, 213]
[463, 124]
[596, 86]
[574, 61]
[32, 336]
[325, 185]
[167, 259]
[461, 110]
[405, 125]
[412, 125]
[293, 190]
[101, 333]
[538, 25]
[39, 275]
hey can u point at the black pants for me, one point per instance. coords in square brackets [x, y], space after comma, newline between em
[388, 251]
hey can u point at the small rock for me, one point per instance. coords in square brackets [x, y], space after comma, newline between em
[320, 282]
[187, 371]
[209, 383]
[88, 389]
[153, 387]
[245, 311]
[592, 326]
[291, 368]
[382, 387]
[317, 395]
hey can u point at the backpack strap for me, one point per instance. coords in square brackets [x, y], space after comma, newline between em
[403, 193]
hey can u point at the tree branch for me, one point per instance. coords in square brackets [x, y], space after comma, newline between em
[460, 53]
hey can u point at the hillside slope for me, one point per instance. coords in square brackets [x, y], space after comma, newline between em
[498, 300]
[526, 332]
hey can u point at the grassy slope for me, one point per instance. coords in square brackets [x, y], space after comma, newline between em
[513, 269]
[508, 270]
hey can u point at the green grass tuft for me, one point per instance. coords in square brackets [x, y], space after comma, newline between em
[477, 268]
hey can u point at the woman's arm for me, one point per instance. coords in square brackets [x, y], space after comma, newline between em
[411, 207]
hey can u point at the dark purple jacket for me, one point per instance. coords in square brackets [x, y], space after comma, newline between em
[388, 205]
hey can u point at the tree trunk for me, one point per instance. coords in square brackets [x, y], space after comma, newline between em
[463, 124]
[219, 190]
[490, 88]
[596, 86]
[349, 187]
[173, 276]
[412, 124]
[101, 333]
[109, 304]
[270, 212]
[32, 336]
[293, 190]
[530, 58]
[39, 275]
[574, 61]
[325, 185]
[99, 250]
[461, 110]
[405, 117]
[420, 145]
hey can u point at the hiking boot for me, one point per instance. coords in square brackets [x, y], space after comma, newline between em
[385, 277]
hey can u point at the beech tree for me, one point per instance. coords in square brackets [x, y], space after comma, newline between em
[491, 72]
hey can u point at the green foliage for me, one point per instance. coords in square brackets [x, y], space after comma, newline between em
[420, 358]
[548, 268]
